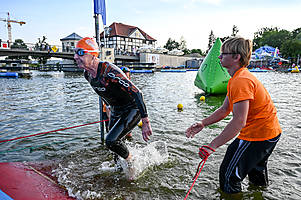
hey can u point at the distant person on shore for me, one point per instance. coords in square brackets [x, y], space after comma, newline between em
[126, 102]
[254, 121]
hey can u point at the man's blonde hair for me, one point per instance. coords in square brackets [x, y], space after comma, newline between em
[241, 46]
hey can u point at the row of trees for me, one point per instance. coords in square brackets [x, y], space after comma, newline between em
[289, 43]
[173, 44]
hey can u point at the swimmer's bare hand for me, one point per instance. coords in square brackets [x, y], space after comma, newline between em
[194, 129]
[146, 129]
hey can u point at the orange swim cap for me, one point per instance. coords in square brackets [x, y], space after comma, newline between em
[90, 45]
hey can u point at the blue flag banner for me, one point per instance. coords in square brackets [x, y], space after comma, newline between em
[100, 8]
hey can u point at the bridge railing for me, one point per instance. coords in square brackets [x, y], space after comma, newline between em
[43, 47]
[38, 47]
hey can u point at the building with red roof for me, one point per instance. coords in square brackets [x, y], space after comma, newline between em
[125, 39]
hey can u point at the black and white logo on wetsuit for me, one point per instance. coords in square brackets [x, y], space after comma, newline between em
[122, 82]
[99, 89]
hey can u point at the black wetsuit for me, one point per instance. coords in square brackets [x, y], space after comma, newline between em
[125, 100]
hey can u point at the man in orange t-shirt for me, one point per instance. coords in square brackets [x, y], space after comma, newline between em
[254, 121]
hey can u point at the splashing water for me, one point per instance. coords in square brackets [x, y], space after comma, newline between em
[84, 175]
[153, 154]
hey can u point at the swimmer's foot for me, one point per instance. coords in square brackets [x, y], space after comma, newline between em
[131, 171]
[118, 165]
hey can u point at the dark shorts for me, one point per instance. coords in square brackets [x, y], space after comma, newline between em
[122, 121]
[245, 158]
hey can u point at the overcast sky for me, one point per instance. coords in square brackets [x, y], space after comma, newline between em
[161, 19]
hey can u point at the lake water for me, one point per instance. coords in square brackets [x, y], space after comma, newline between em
[54, 100]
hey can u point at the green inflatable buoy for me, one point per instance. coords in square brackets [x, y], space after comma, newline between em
[212, 77]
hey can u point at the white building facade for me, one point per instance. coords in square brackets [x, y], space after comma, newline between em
[126, 39]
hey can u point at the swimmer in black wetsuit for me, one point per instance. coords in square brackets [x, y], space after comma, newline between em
[106, 108]
[125, 99]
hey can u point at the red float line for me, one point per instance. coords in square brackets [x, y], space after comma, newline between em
[42, 133]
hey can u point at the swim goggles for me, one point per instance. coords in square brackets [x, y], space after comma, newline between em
[82, 52]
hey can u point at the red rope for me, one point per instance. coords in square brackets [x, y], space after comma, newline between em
[203, 153]
[196, 176]
[1, 141]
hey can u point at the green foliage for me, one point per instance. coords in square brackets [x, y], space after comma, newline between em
[171, 44]
[182, 44]
[291, 48]
[186, 51]
[234, 31]
[223, 39]
[19, 44]
[199, 51]
[261, 31]
[298, 37]
[193, 51]
[260, 34]
[273, 38]
[211, 40]
[296, 33]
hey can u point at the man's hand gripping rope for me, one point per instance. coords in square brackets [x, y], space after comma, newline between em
[204, 152]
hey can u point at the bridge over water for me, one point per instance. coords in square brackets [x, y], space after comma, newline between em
[64, 55]
[24, 52]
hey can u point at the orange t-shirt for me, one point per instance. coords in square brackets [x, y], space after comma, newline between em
[262, 122]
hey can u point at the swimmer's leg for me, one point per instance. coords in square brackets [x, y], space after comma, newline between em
[121, 125]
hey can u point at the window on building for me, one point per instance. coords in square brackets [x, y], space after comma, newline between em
[108, 53]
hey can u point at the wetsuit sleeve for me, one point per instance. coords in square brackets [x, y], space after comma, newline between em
[117, 76]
